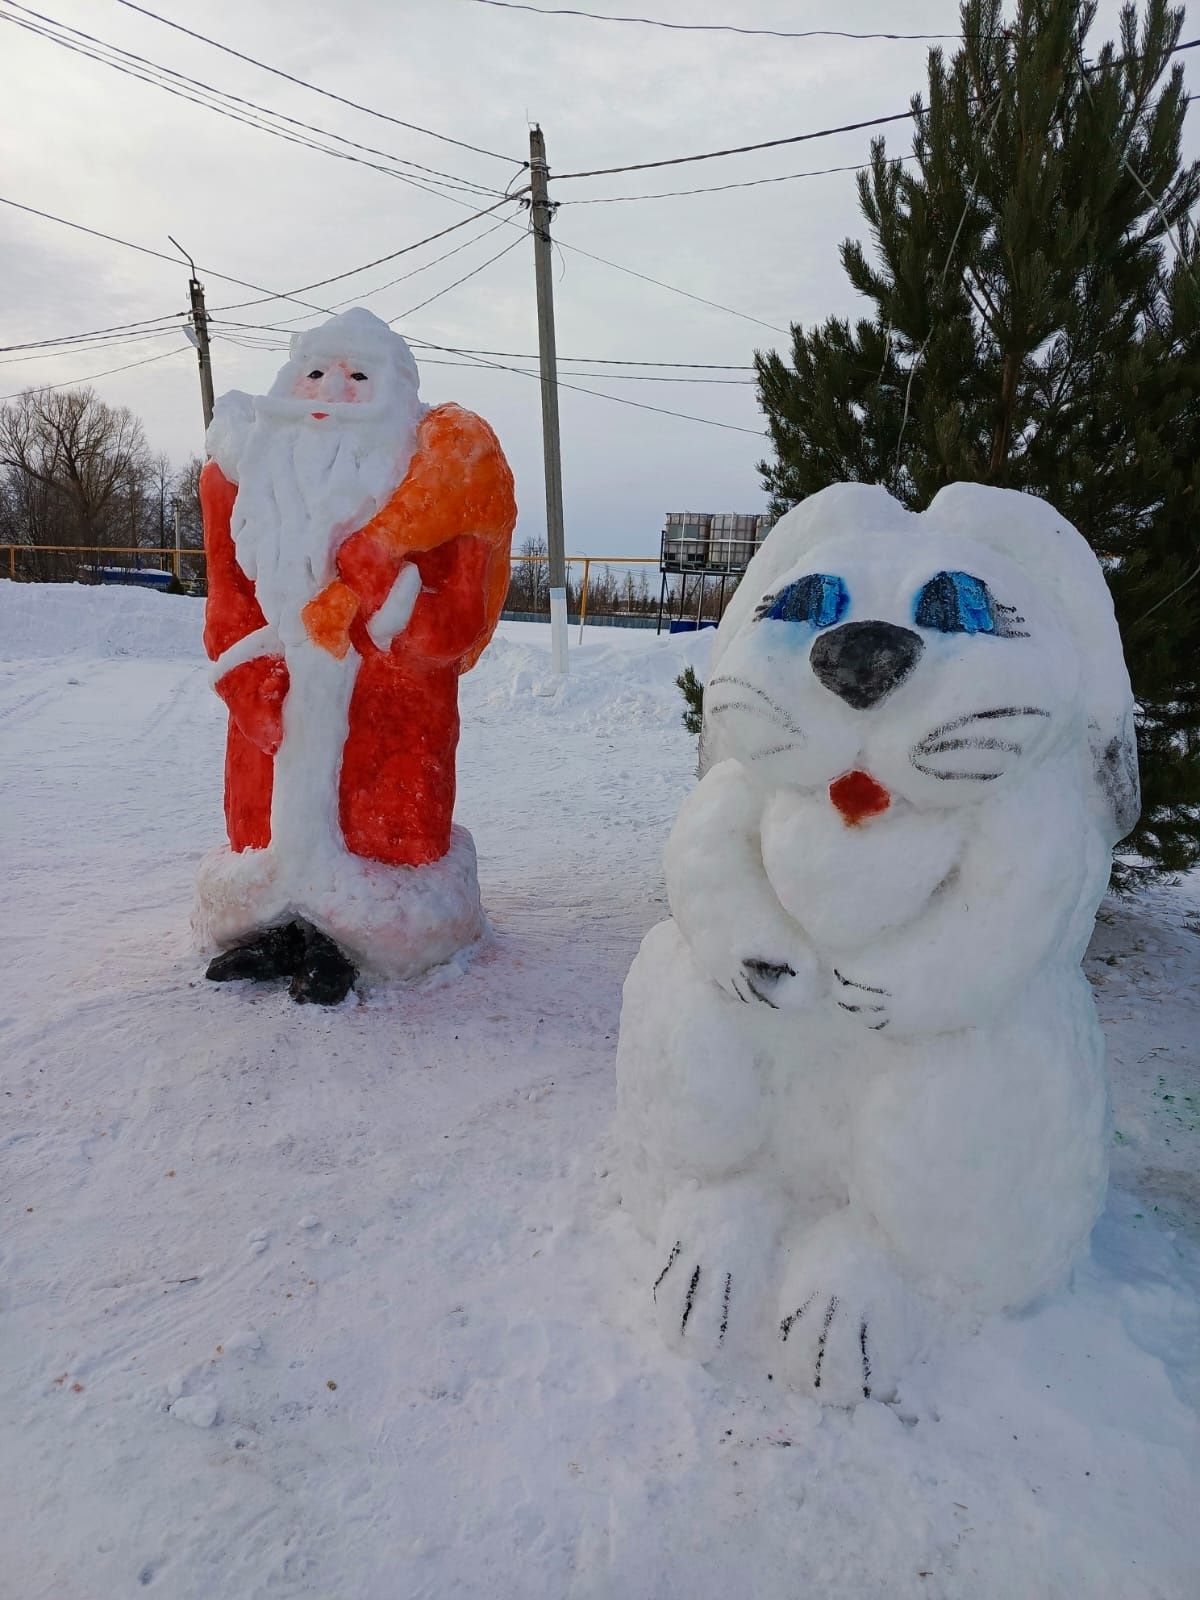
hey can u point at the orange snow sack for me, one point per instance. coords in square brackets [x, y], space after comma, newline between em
[458, 483]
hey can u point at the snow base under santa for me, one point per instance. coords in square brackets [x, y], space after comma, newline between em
[394, 922]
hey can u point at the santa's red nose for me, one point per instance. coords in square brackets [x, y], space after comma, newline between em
[856, 795]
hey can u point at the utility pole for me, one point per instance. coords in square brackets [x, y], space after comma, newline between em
[199, 334]
[177, 540]
[541, 211]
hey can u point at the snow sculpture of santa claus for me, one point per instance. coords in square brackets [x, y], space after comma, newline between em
[357, 546]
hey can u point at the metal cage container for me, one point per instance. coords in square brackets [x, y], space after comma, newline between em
[732, 541]
[685, 541]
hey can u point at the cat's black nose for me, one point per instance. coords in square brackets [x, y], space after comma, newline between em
[864, 661]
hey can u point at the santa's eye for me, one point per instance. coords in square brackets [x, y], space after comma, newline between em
[819, 599]
[359, 377]
[956, 602]
[316, 373]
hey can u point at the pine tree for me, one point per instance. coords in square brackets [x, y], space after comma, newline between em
[1035, 290]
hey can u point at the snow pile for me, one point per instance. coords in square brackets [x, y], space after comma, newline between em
[54, 621]
[382, 1250]
[619, 677]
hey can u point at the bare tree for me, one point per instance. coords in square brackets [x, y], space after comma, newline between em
[78, 468]
[529, 587]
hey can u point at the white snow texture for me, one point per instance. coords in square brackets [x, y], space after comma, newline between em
[306, 480]
[862, 1089]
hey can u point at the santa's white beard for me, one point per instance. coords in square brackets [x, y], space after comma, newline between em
[304, 486]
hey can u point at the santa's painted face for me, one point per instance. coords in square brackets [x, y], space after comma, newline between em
[336, 382]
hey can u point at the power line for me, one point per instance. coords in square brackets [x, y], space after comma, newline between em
[355, 105]
[286, 322]
[70, 383]
[674, 288]
[115, 332]
[474, 272]
[146, 71]
[738, 150]
[773, 144]
[613, 377]
[721, 188]
[378, 262]
[111, 342]
[273, 346]
[599, 394]
[243, 283]
[525, 355]
[711, 27]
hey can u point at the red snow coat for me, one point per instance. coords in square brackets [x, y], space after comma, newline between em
[452, 517]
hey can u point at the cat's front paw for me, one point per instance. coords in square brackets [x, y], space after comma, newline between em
[848, 1324]
[717, 1246]
[870, 1004]
[777, 980]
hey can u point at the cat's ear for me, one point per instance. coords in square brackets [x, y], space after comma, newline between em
[1115, 769]
[1063, 565]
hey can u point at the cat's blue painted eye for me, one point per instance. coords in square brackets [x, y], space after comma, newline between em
[955, 602]
[818, 599]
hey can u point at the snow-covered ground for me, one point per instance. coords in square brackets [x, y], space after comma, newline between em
[337, 1304]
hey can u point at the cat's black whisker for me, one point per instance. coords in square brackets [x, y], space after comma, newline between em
[946, 777]
[976, 778]
[774, 715]
[754, 688]
[991, 714]
[775, 750]
[927, 749]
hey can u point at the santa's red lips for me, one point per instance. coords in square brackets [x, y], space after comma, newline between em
[320, 415]
[857, 796]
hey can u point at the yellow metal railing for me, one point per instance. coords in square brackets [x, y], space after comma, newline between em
[90, 556]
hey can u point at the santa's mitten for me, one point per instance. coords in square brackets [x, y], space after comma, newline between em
[255, 691]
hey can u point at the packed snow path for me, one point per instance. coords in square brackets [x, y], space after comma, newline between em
[336, 1305]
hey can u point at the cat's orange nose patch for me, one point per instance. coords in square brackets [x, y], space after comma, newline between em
[857, 796]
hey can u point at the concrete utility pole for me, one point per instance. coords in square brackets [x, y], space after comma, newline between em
[541, 211]
[199, 334]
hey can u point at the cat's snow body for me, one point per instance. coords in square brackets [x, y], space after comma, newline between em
[861, 1080]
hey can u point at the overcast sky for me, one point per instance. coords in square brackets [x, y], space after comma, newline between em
[102, 149]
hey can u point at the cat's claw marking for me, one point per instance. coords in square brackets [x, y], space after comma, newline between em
[691, 1295]
[849, 983]
[866, 1360]
[670, 1263]
[785, 1327]
[830, 1309]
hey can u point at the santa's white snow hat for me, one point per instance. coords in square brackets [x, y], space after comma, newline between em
[357, 335]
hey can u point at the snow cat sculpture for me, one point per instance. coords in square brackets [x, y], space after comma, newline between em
[862, 1094]
[357, 547]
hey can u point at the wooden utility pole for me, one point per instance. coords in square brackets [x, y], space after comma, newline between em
[199, 335]
[541, 211]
